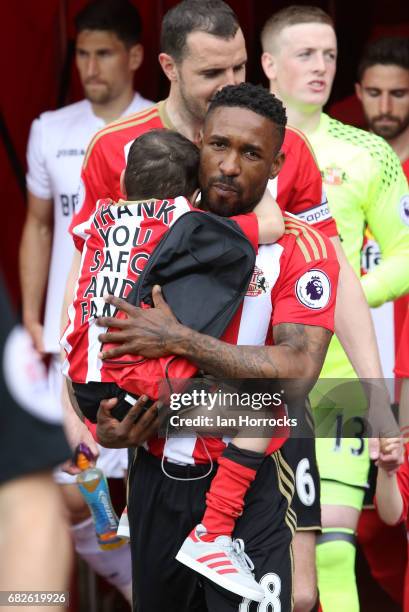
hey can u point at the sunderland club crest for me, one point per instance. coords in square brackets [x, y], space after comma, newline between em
[331, 175]
[258, 283]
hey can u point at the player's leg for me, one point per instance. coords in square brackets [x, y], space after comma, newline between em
[336, 546]
[35, 547]
[34, 528]
[161, 513]
[341, 503]
[305, 575]
[300, 455]
[266, 526]
[237, 469]
[343, 464]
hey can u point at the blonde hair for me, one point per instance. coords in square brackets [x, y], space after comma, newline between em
[291, 15]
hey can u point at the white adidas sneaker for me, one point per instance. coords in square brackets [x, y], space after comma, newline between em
[222, 561]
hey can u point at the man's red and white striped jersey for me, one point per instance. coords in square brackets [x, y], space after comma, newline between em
[115, 244]
[298, 187]
[294, 281]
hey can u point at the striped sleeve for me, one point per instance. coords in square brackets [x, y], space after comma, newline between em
[306, 291]
[106, 158]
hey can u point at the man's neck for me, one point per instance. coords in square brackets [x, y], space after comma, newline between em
[115, 108]
[307, 122]
[400, 145]
[306, 119]
[181, 119]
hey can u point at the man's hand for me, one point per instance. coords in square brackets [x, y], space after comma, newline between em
[144, 332]
[36, 331]
[122, 434]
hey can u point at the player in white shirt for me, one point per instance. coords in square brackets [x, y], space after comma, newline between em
[108, 53]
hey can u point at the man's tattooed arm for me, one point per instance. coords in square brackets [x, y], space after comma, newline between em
[298, 352]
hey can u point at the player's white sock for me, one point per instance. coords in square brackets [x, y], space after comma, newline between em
[113, 565]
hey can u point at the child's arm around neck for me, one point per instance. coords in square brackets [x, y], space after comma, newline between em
[270, 219]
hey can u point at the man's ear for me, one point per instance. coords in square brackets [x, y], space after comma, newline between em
[194, 196]
[168, 65]
[269, 65]
[122, 183]
[277, 164]
[199, 142]
[135, 56]
[358, 91]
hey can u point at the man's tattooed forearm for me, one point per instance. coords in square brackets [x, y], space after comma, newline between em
[230, 361]
[308, 340]
[298, 351]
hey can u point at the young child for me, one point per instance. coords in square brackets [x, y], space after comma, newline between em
[392, 490]
[392, 486]
[159, 180]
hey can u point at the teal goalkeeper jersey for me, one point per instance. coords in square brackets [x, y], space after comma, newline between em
[366, 188]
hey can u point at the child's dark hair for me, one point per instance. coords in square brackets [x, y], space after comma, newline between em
[161, 164]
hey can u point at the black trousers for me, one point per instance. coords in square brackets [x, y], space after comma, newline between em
[162, 512]
[299, 452]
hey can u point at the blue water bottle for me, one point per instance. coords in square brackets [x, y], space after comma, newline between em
[94, 488]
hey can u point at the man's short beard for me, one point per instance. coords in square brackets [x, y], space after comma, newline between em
[222, 210]
[104, 97]
[389, 132]
[191, 107]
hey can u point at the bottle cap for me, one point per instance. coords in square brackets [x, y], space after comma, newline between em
[83, 456]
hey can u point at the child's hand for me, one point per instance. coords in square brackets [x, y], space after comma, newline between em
[390, 455]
